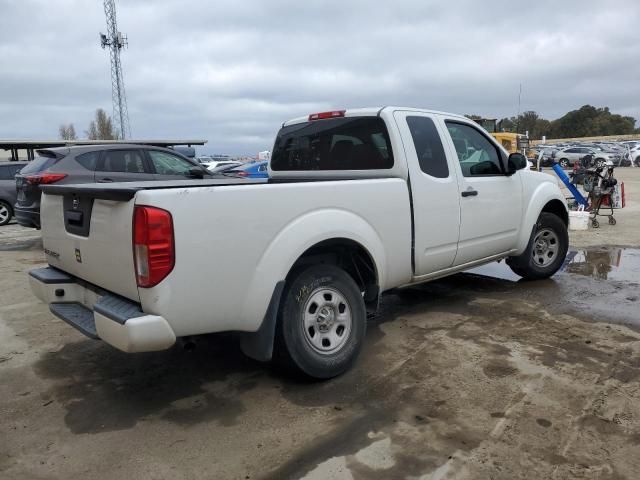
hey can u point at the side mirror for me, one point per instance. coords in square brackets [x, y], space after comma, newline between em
[516, 161]
[196, 172]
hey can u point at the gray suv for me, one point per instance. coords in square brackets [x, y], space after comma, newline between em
[99, 164]
[8, 172]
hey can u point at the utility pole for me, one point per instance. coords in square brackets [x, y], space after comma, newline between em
[519, 101]
[116, 41]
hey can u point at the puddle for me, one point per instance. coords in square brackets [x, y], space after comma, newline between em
[599, 283]
[619, 264]
[605, 263]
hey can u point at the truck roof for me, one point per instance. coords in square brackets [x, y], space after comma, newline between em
[374, 111]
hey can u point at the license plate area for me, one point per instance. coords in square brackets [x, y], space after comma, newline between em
[77, 214]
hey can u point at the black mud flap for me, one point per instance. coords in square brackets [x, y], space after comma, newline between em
[259, 344]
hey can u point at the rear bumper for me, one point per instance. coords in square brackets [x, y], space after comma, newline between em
[99, 314]
[27, 217]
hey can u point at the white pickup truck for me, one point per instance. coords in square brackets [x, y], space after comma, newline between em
[358, 202]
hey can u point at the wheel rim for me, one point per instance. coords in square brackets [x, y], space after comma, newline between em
[4, 213]
[564, 163]
[327, 320]
[546, 246]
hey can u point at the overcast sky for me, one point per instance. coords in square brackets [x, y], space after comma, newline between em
[232, 71]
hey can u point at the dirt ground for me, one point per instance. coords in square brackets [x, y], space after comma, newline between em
[477, 376]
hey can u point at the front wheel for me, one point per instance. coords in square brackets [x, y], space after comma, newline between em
[5, 213]
[546, 250]
[321, 323]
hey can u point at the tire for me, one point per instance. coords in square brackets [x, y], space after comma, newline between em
[549, 235]
[600, 162]
[564, 163]
[6, 213]
[310, 336]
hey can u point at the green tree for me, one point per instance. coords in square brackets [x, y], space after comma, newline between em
[589, 121]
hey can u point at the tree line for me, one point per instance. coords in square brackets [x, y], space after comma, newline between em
[587, 121]
[100, 128]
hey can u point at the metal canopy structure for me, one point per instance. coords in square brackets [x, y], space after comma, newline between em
[31, 145]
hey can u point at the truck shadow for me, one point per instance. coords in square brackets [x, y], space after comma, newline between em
[103, 389]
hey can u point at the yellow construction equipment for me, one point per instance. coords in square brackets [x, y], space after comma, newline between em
[512, 142]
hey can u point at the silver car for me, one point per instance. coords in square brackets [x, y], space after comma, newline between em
[569, 156]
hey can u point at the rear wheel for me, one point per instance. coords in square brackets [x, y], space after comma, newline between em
[546, 250]
[600, 162]
[6, 212]
[564, 163]
[322, 322]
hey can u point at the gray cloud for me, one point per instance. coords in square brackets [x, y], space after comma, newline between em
[232, 72]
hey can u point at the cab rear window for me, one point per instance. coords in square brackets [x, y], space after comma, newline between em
[356, 143]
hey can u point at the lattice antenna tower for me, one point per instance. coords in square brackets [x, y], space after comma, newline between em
[115, 41]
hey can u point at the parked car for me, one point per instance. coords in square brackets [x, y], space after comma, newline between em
[251, 170]
[569, 156]
[221, 163]
[8, 192]
[634, 155]
[362, 201]
[96, 163]
[224, 167]
[548, 155]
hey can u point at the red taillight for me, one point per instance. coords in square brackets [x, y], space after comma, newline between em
[324, 115]
[242, 173]
[44, 178]
[153, 248]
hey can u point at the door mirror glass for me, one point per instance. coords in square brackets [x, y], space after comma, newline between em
[517, 161]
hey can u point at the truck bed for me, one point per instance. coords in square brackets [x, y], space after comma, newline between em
[234, 239]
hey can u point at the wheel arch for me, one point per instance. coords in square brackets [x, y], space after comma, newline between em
[558, 208]
[351, 256]
[330, 236]
[546, 198]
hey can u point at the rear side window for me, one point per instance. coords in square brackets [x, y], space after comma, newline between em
[5, 172]
[358, 143]
[428, 145]
[89, 160]
[128, 161]
[39, 164]
[8, 172]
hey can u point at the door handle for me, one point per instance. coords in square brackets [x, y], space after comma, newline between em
[105, 180]
[470, 193]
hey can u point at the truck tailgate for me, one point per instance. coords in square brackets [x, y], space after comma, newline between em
[91, 238]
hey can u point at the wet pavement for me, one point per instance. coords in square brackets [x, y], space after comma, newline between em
[479, 375]
[601, 282]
